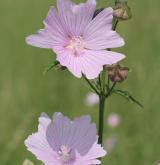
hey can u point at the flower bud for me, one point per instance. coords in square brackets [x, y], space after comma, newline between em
[117, 73]
[122, 11]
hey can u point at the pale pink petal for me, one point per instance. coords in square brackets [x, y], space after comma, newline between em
[99, 35]
[52, 35]
[92, 156]
[93, 61]
[37, 143]
[75, 17]
[71, 62]
[90, 63]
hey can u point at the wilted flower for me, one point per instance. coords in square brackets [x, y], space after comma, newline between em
[78, 40]
[113, 120]
[91, 99]
[110, 143]
[60, 141]
[117, 73]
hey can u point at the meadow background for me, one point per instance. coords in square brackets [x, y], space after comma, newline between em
[25, 92]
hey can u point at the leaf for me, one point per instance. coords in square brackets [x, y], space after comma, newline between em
[50, 66]
[127, 96]
[27, 162]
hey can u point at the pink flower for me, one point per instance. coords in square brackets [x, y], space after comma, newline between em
[60, 141]
[110, 143]
[113, 120]
[78, 40]
[91, 99]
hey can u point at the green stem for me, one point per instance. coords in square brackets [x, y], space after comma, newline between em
[90, 84]
[110, 90]
[101, 118]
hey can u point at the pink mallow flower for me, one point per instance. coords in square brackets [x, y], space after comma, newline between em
[113, 120]
[78, 39]
[91, 99]
[60, 141]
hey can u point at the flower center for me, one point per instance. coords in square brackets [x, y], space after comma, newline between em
[76, 45]
[64, 154]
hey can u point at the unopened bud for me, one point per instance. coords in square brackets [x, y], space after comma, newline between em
[117, 73]
[122, 11]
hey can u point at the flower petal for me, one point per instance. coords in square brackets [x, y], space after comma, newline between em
[75, 17]
[90, 63]
[79, 134]
[93, 61]
[83, 135]
[91, 157]
[99, 35]
[37, 144]
[70, 61]
[52, 35]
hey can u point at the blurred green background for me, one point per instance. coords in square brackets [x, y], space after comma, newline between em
[25, 92]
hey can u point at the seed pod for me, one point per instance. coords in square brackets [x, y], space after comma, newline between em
[117, 73]
[122, 11]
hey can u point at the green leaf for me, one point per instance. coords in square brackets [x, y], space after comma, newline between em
[126, 94]
[27, 162]
[50, 66]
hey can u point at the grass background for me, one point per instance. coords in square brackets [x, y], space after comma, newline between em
[25, 92]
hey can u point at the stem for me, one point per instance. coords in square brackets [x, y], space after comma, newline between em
[101, 118]
[90, 84]
[110, 90]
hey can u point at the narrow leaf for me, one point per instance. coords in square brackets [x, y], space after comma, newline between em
[128, 96]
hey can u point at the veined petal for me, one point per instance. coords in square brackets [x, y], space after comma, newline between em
[91, 157]
[109, 39]
[98, 34]
[90, 63]
[75, 17]
[93, 61]
[53, 34]
[70, 61]
[37, 143]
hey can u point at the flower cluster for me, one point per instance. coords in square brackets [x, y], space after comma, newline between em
[82, 38]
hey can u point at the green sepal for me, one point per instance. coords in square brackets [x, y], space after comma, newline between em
[50, 66]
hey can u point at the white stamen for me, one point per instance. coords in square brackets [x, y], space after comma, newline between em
[64, 154]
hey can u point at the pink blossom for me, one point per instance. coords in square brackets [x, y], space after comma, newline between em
[60, 141]
[79, 40]
[110, 143]
[91, 99]
[113, 120]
